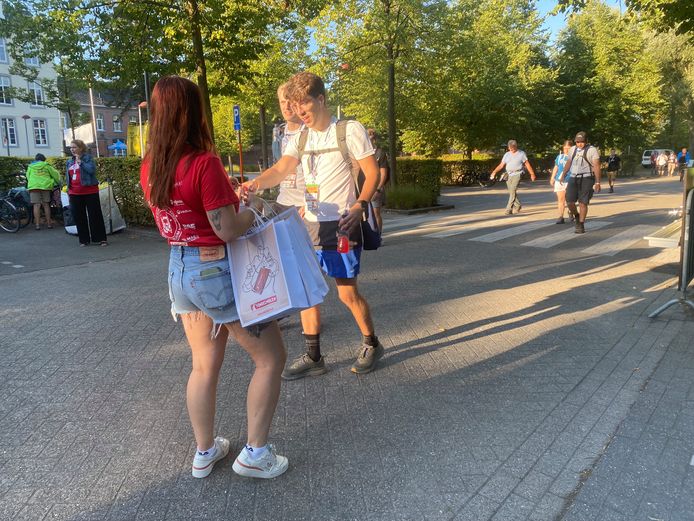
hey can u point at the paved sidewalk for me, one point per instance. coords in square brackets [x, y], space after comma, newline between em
[508, 371]
[647, 472]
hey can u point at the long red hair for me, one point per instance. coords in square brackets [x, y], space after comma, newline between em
[177, 123]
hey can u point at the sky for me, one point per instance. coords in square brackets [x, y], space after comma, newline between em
[556, 23]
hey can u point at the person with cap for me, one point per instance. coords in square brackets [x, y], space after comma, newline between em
[514, 160]
[584, 168]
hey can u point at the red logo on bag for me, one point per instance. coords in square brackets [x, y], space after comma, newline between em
[265, 302]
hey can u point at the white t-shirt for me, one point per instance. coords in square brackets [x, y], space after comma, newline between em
[514, 162]
[336, 190]
[581, 164]
[292, 187]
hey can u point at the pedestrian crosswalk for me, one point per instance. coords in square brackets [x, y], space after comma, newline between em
[505, 228]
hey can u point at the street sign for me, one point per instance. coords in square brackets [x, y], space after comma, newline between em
[237, 118]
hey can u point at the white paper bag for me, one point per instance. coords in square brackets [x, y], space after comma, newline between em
[265, 277]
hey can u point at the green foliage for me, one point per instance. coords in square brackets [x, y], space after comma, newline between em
[408, 197]
[610, 85]
[425, 174]
[12, 171]
[675, 55]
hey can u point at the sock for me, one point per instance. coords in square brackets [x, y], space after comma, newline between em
[313, 346]
[255, 452]
[371, 340]
[209, 453]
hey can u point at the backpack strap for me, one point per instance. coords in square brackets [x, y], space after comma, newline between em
[341, 135]
[301, 145]
[585, 151]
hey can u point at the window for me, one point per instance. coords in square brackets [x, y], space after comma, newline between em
[3, 51]
[117, 124]
[40, 133]
[64, 120]
[36, 93]
[132, 120]
[5, 85]
[100, 122]
[32, 61]
[9, 132]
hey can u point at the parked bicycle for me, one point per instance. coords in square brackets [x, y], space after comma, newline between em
[9, 217]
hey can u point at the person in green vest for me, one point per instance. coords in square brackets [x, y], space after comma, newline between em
[41, 178]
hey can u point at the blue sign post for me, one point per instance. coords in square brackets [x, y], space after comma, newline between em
[237, 118]
[237, 128]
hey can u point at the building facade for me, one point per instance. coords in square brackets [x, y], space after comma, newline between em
[27, 128]
[112, 117]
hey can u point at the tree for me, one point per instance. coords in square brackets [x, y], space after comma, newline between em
[610, 81]
[52, 37]
[674, 53]
[374, 40]
[118, 40]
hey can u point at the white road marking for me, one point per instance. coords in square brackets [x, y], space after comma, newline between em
[472, 225]
[566, 234]
[621, 241]
[514, 230]
[5, 262]
[17, 266]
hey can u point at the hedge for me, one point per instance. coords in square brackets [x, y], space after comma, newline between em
[423, 173]
[466, 172]
[124, 173]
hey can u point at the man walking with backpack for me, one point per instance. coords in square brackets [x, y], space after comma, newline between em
[333, 206]
[584, 165]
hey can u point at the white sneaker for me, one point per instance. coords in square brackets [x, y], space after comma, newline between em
[202, 465]
[267, 466]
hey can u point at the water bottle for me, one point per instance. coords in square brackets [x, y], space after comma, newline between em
[342, 238]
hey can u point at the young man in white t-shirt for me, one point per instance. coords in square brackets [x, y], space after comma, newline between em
[330, 204]
[292, 186]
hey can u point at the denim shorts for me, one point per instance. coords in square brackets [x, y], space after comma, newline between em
[340, 265]
[196, 285]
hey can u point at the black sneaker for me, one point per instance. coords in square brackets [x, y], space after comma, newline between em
[580, 228]
[366, 361]
[560, 221]
[611, 190]
[304, 366]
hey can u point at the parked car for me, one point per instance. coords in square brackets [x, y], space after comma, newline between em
[646, 157]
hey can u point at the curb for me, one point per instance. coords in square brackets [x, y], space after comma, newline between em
[427, 209]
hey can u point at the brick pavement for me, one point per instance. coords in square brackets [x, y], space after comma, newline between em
[499, 391]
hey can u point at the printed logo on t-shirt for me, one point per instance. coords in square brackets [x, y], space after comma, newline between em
[168, 224]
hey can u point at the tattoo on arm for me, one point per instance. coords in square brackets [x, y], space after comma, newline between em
[216, 219]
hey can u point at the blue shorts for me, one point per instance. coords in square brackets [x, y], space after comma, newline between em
[340, 265]
[196, 285]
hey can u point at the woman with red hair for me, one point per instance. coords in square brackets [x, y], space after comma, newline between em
[197, 211]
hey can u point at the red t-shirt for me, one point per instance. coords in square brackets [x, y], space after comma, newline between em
[201, 185]
[76, 187]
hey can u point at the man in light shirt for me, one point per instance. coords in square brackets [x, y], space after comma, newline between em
[514, 160]
[292, 186]
[331, 204]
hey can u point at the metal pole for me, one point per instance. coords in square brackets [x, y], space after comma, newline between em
[91, 102]
[142, 141]
[26, 134]
[147, 93]
[238, 137]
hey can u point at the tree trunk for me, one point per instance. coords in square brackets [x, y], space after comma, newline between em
[263, 138]
[392, 123]
[193, 10]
